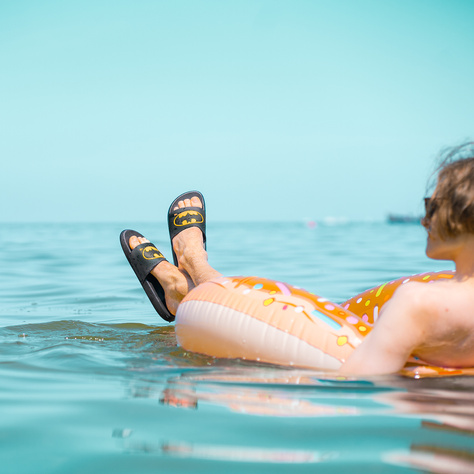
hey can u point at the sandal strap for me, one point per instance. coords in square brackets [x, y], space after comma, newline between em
[181, 219]
[145, 258]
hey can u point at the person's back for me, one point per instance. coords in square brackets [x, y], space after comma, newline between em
[433, 322]
[448, 328]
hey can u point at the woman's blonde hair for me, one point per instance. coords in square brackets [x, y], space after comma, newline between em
[453, 199]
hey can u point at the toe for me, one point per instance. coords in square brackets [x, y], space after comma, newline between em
[193, 202]
[134, 241]
[196, 202]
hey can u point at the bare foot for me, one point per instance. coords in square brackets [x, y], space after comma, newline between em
[175, 284]
[188, 246]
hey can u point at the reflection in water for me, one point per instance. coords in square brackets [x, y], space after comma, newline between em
[255, 402]
[401, 421]
[246, 454]
[453, 412]
[436, 459]
[266, 392]
[454, 409]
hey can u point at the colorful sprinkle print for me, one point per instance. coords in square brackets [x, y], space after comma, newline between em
[326, 319]
[335, 330]
[359, 312]
[341, 340]
[367, 305]
[283, 288]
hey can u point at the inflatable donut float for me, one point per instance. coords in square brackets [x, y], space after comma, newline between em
[269, 321]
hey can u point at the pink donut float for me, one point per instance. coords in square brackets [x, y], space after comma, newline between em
[269, 321]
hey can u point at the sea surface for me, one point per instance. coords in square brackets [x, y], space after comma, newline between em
[92, 381]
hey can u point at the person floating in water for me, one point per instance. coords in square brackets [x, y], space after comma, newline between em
[434, 322]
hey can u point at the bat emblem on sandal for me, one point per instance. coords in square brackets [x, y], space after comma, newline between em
[151, 253]
[188, 217]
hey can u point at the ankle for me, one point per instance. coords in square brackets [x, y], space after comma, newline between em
[193, 259]
[169, 277]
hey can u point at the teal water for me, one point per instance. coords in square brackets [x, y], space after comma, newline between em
[92, 380]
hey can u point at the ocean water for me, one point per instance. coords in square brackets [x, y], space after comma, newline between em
[91, 379]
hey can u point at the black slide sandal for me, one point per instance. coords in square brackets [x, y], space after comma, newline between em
[143, 259]
[186, 217]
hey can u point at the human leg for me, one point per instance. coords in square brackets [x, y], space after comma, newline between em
[175, 283]
[188, 246]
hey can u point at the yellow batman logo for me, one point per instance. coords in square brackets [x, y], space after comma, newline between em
[151, 253]
[188, 217]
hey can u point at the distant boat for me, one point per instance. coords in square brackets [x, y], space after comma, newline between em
[401, 219]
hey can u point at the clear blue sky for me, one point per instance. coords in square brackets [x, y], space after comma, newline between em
[276, 110]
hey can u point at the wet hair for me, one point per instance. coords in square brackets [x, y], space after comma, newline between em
[453, 199]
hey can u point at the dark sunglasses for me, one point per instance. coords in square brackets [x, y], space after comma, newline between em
[431, 205]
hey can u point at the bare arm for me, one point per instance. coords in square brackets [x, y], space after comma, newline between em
[397, 333]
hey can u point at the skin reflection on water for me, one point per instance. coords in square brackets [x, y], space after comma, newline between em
[453, 414]
[412, 412]
[254, 401]
[246, 454]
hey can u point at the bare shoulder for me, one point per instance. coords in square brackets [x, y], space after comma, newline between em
[416, 289]
[397, 333]
[430, 320]
[437, 297]
[421, 307]
[439, 309]
[417, 298]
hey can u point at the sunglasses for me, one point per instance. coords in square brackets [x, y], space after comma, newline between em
[431, 205]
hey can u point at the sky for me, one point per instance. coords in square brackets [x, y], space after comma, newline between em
[275, 110]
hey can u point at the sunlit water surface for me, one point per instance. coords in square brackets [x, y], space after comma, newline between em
[92, 380]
